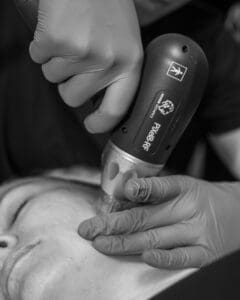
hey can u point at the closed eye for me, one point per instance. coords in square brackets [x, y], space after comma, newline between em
[18, 211]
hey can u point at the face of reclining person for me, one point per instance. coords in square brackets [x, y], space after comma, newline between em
[42, 257]
[41, 254]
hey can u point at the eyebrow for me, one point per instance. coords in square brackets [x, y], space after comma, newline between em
[20, 183]
[11, 185]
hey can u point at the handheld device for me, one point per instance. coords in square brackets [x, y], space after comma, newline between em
[172, 86]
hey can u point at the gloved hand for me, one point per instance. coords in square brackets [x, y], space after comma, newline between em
[86, 46]
[184, 222]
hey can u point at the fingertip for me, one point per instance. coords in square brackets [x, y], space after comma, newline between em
[131, 189]
[39, 52]
[149, 257]
[100, 244]
[85, 230]
[32, 51]
[88, 126]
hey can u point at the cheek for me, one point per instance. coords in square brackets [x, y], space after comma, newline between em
[40, 272]
[50, 282]
[46, 218]
[1, 295]
[66, 285]
[67, 282]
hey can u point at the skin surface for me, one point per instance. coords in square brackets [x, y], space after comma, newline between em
[46, 259]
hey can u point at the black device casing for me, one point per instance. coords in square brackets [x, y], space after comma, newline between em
[173, 83]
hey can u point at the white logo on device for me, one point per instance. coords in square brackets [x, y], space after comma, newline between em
[177, 71]
[166, 107]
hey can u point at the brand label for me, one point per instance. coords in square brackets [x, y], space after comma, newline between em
[151, 136]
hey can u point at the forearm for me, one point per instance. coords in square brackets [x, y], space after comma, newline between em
[151, 10]
[227, 146]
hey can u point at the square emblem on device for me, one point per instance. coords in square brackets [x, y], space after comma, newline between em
[177, 71]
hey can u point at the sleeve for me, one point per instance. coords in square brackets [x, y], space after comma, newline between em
[151, 10]
[220, 110]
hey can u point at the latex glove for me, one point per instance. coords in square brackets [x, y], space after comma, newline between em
[190, 222]
[86, 46]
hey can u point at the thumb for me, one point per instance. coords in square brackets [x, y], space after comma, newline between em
[156, 189]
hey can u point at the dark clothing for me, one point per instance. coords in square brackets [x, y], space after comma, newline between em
[38, 131]
[219, 111]
[219, 281]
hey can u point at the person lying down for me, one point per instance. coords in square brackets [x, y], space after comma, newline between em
[42, 257]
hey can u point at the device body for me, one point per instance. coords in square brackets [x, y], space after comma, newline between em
[172, 86]
[173, 82]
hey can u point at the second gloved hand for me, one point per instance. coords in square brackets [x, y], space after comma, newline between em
[87, 46]
[184, 222]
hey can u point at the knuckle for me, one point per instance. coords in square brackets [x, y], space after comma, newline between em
[111, 245]
[136, 57]
[184, 182]
[104, 225]
[182, 258]
[76, 49]
[160, 186]
[136, 219]
[117, 223]
[101, 225]
[191, 207]
[168, 260]
[157, 258]
[152, 239]
[189, 183]
[53, 35]
[109, 59]
[82, 49]
[115, 245]
[121, 244]
[145, 189]
[193, 232]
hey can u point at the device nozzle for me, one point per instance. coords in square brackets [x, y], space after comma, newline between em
[109, 203]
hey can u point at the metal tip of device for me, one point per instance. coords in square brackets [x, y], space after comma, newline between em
[109, 204]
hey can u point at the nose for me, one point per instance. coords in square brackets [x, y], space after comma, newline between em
[7, 243]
